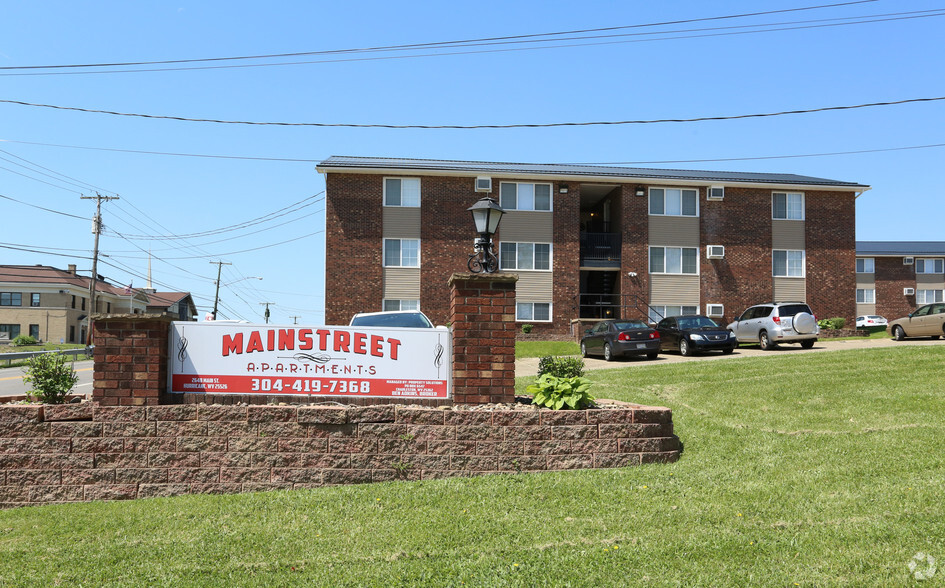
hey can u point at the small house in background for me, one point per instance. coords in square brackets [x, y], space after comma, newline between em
[894, 277]
[179, 305]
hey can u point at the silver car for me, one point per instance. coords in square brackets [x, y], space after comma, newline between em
[777, 322]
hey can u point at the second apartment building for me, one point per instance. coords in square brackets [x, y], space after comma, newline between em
[588, 241]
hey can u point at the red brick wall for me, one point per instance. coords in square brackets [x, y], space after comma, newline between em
[634, 251]
[130, 359]
[831, 254]
[891, 277]
[566, 257]
[82, 452]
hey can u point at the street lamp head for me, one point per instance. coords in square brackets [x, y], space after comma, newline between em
[486, 215]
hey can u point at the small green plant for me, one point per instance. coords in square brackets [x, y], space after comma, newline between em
[557, 393]
[832, 323]
[402, 468]
[526, 328]
[561, 367]
[51, 376]
[21, 340]
[407, 437]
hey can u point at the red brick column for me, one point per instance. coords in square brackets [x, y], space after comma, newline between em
[482, 315]
[130, 359]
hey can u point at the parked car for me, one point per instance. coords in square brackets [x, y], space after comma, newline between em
[616, 338]
[777, 322]
[693, 333]
[870, 320]
[926, 321]
[393, 318]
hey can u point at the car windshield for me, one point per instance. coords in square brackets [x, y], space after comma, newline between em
[792, 309]
[400, 319]
[697, 322]
[624, 325]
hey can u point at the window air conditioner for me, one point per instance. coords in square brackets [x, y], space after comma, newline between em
[716, 193]
[483, 184]
[715, 251]
[908, 260]
[714, 309]
[908, 291]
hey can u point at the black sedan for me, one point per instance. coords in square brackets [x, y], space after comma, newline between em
[615, 338]
[692, 334]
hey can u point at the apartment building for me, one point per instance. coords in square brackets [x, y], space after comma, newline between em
[588, 242]
[894, 277]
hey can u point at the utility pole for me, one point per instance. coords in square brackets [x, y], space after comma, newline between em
[96, 230]
[216, 297]
[267, 310]
[295, 319]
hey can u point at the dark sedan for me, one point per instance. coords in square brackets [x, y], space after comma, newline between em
[692, 334]
[616, 338]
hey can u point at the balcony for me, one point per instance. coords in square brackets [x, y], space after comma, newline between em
[600, 250]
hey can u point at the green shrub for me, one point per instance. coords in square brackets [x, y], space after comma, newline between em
[558, 393]
[21, 340]
[561, 367]
[832, 323]
[51, 376]
[526, 328]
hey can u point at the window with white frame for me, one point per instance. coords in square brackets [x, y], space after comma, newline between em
[525, 256]
[865, 265]
[787, 206]
[787, 263]
[522, 196]
[659, 312]
[929, 296]
[401, 252]
[391, 304]
[865, 296]
[533, 311]
[674, 260]
[402, 192]
[674, 202]
[924, 265]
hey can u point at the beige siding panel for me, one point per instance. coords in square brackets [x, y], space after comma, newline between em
[401, 283]
[401, 222]
[527, 227]
[929, 281]
[790, 289]
[866, 281]
[862, 309]
[674, 290]
[681, 231]
[787, 234]
[534, 286]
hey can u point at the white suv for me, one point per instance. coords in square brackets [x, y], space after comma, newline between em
[777, 322]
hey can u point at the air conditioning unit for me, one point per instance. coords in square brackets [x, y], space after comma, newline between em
[483, 184]
[714, 309]
[715, 251]
[908, 291]
[716, 193]
[62, 292]
[908, 260]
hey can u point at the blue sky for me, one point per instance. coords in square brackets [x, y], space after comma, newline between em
[656, 76]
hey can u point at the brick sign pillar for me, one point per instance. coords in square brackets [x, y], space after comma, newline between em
[482, 315]
[130, 359]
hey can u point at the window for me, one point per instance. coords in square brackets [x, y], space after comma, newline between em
[402, 192]
[83, 303]
[34, 332]
[108, 307]
[788, 263]
[11, 331]
[11, 299]
[674, 202]
[71, 333]
[514, 196]
[525, 256]
[865, 296]
[73, 301]
[674, 260]
[391, 305]
[865, 265]
[929, 266]
[401, 252]
[34, 299]
[533, 311]
[787, 206]
[929, 296]
[658, 313]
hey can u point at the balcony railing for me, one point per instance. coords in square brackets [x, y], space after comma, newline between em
[600, 250]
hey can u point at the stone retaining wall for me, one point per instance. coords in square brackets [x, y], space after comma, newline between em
[82, 452]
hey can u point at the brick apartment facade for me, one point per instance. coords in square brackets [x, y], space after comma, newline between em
[588, 242]
[894, 277]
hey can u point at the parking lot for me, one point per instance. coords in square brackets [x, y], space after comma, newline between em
[529, 366]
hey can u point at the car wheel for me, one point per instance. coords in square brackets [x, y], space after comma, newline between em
[728, 351]
[653, 355]
[684, 347]
[608, 352]
[808, 344]
[765, 342]
[583, 350]
[899, 334]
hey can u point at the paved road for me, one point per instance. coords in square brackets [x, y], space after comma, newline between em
[11, 380]
[529, 367]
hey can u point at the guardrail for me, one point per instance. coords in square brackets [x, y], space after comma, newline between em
[11, 357]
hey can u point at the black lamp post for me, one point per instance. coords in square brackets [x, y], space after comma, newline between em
[486, 215]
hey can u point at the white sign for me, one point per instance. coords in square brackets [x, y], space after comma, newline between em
[239, 358]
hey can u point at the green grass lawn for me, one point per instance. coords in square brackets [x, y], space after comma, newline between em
[821, 469]
[525, 349]
[41, 347]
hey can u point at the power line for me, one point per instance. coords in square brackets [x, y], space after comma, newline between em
[204, 155]
[42, 208]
